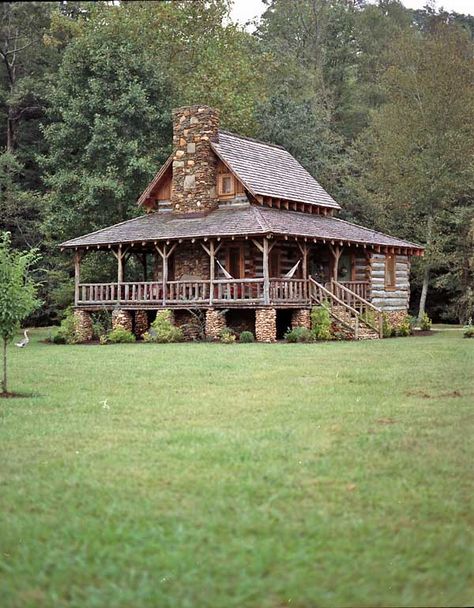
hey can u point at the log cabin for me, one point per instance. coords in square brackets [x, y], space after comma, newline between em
[236, 231]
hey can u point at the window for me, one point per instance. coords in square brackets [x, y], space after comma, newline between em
[390, 271]
[226, 184]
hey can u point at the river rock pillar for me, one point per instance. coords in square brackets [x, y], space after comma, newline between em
[83, 325]
[265, 325]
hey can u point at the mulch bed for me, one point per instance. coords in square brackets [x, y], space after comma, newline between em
[418, 333]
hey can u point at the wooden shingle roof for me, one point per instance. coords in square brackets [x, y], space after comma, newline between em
[270, 170]
[245, 220]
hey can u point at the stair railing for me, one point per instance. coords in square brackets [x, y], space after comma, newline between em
[366, 308]
[321, 295]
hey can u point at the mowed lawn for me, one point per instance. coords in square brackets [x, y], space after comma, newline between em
[335, 474]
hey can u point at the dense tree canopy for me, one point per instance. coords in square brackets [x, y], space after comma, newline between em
[374, 99]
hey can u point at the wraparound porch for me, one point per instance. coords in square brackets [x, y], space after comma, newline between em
[204, 293]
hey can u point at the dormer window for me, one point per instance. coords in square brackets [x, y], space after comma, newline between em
[226, 185]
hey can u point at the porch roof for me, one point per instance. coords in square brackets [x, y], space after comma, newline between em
[247, 220]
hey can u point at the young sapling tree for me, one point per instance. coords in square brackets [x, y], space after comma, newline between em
[18, 292]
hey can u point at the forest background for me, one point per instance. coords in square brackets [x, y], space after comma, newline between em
[375, 100]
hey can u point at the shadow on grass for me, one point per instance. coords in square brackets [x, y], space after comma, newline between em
[9, 395]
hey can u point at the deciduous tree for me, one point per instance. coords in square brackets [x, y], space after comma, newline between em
[17, 294]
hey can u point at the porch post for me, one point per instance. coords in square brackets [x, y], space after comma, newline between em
[164, 274]
[305, 261]
[211, 252]
[304, 267]
[119, 265]
[77, 276]
[266, 276]
[336, 252]
[119, 273]
[165, 254]
[211, 271]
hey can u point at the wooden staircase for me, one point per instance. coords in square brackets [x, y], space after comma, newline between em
[352, 312]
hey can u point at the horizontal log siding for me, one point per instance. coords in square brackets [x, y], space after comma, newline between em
[361, 267]
[390, 300]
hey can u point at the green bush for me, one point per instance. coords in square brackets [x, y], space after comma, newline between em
[119, 335]
[299, 334]
[387, 328]
[246, 337]
[425, 323]
[321, 323]
[162, 329]
[405, 328]
[101, 324]
[66, 333]
[369, 316]
[227, 336]
[468, 330]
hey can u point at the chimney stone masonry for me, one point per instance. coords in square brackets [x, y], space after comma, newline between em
[194, 163]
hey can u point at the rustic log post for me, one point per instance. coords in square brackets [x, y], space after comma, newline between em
[266, 273]
[304, 268]
[336, 253]
[77, 276]
[164, 274]
[119, 265]
[211, 252]
[165, 254]
[265, 250]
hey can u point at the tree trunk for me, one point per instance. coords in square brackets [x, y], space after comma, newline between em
[426, 274]
[424, 292]
[4, 381]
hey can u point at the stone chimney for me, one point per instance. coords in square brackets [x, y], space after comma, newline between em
[194, 163]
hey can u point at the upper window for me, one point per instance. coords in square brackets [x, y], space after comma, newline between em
[226, 184]
[390, 271]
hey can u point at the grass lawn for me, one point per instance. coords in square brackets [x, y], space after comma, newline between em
[335, 474]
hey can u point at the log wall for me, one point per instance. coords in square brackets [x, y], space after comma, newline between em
[393, 299]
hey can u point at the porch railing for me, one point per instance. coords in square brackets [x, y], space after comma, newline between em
[281, 290]
[289, 290]
[360, 288]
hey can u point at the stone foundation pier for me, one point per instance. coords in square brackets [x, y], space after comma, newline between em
[83, 325]
[265, 325]
[215, 323]
[301, 318]
[122, 318]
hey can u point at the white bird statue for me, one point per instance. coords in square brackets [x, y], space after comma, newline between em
[24, 342]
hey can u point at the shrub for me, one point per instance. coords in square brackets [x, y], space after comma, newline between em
[299, 334]
[468, 330]
[66, 333]
[404, 329]
[370, 317]
[227, 336]
[101, 324]
[425, 323]
[387, 328]
[246, 337]
[321, 323]
[119, 335]
[162, 329]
